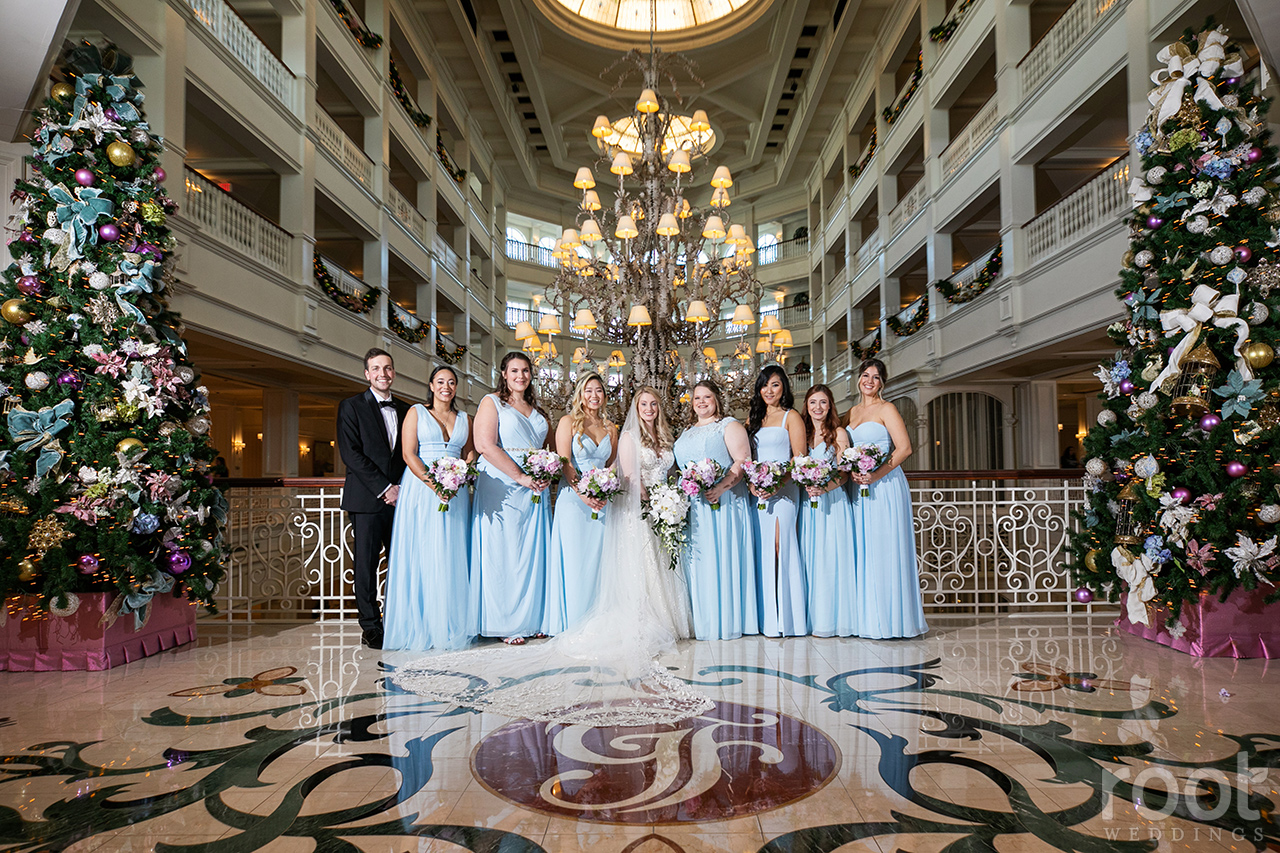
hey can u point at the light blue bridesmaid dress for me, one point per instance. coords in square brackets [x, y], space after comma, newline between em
[826, 549]
[509, 534]
[782, 582]
[720, 561]
[428, 603]
[577, 540]
[884, 550]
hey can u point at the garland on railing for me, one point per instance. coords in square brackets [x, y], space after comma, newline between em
[957, 294]
[355, 304]
[870, 352]
[908, 327]
[447, 356]
[366, 37]
[458, 174]
[891, 113]
[401, 91]
[404, 330]
[858, 168]
[947, 28]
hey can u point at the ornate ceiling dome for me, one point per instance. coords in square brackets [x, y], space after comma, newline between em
[678, 24]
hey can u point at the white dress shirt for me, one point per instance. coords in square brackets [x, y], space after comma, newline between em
[388, 418]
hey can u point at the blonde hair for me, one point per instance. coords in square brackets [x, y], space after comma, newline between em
[577, 411]
[660, 438]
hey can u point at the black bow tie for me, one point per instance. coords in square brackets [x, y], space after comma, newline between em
[387, 404]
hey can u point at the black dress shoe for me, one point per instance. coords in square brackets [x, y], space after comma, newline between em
[371, 638]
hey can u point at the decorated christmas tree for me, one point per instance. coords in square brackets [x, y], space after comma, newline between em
[104, 450]
[1181, 466]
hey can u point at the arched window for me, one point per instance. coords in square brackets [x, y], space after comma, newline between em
[966, 431]
[767, 248]
[516, 234]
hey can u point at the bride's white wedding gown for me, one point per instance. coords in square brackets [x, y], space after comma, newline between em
[603, 671]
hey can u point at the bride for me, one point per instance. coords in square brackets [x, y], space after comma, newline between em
[604, 670]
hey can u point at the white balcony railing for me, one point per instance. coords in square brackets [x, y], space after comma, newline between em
[843, 361]
[411, 321]
[1061, 41]
[236, 225]
[837, 283]
[235, 35]
[1101, 200]
[449, 259]
[868, 251]
[795, 316]
[783, 250]
[408, 216]
[971, 140]
[530, 253]
[332, 138]
[907, 208]
[345, 281]
[965, 276]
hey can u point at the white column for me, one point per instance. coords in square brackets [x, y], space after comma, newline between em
[1040, 424]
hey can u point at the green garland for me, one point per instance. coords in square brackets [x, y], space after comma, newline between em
[861, 166]
[363, 35]
[404, 331]
[891, 113]
[944, 31]
[870, 352]
[455, 172]
[447, 356]
[959, 294]
[908, 327]
[355, 304]
[401, 91]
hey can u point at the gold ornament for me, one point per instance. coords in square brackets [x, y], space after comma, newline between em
[121, 153]
[1259, 355]
[15, 311]
[1091, 560]
[13, 506]
[130, 446]
[1269, 416]
[47, 533]
[62, 91]
[27, 571]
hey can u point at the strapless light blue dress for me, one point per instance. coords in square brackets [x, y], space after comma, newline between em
[577, 540]
[782, 593]
[428, 601]
[884, 550]
[509, 535]
[826, 549]
[720, 560]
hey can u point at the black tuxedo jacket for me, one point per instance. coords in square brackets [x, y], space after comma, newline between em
[372, 463]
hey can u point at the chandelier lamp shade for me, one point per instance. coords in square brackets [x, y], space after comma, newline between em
[769, 325]
[524, 330]
[549, 325]
[584, 320]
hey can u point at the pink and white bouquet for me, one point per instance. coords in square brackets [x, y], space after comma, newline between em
[667, 511]
[543, 465]
[863, 459]
[603, 484]
[699, 476]
[765, 476]
[449, 475]
[813, 472]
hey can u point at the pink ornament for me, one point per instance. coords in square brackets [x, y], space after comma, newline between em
[1209, 422]
[1243, 254]
[29, 285]
[158, 175]
[84, 177]
[1182, 494]
[1154, 222]
[109, 233]
[1236, 469]
[87, 564]
[1254, 155]
[1126, 387]
[1084, 595]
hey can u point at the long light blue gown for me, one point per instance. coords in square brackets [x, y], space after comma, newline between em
[428, 603]
[782, 582]
[509, 534]
[884, 550]
[577, 540]
[826, 549]
[721, 558]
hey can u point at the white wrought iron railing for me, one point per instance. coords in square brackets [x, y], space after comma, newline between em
[987, 542]
[1061, 41]
[910, 205]
[348, 155]
[1103, 199]
[531, 253]
[408, 216]
[234, 34]
[345, 281]
[783, 250]
[236, 225]
[971, 140]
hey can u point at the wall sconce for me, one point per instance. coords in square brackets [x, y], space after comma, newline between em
[304, 449]
[237, 445]
[259, 436]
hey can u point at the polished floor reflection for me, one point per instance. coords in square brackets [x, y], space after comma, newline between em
[1004, 734]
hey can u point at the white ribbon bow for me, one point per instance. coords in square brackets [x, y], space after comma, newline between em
[1137, 573]
[1206, 306]
[1181, 66]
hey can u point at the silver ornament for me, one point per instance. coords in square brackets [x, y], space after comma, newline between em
[140, 137]
[1106, 418]
[130, 206]
[1269, 513]
[199, 425]
[1097, 467]
[1144, 258]
[37, 380]
[1255, 195]
[1146, 467]
[1236, 275]
[99, 281]
[1147, 400]
[1156, 174]
[69, 607]
[1258, 312]
[1221, 255]
[1198, 224]
[1231, 101]
[185, 374]
[51, 219]
[167, 428]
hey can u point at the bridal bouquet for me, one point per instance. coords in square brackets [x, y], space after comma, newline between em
[864, 458]
[603, 484]
[699, 476]
[815, 472]
[667, 511]
[449, 475]
[765, 476]
[543, 465]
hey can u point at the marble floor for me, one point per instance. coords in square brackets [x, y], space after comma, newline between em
[996, 734]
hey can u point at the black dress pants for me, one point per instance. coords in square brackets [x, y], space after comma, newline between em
[372, 534]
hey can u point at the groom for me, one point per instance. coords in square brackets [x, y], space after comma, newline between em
[369, 441]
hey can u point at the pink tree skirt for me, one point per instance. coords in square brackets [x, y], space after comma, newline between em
[1243, 626]
[80, 641]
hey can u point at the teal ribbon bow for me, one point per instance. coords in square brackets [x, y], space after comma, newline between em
[37, 430]
[78, 213]
[138, 602]
[140, 278]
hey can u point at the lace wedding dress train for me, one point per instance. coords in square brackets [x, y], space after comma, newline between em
[603, 671]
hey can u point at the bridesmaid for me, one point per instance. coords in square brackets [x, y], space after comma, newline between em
[884, 543]
[826, 532]
[427, 600]
[510, 531]
[721, 558]
[777, 434]
[588, 441]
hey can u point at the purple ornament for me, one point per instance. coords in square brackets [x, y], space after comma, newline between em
[87, 564]
[110, 112]
[1154, 222]
[1231, 81]
[24, 339]
[1209, 422]
[1243, 254]
[1084, 595]
[1126, 387]
[1254, 155]
[29, 285]
[84, 177]
[109, 232]
[148, 249]
[69, 379]
[1236, 469]
[178, 562]
[158, 175]
[1183, 494]
[28, 237]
